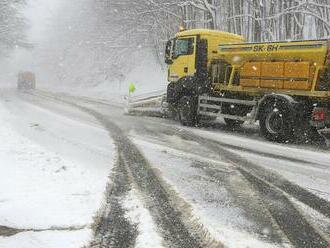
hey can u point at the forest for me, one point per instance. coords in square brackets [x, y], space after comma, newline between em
[13, 26]
[92, 40]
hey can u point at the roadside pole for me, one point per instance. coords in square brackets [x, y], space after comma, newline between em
[131, 90]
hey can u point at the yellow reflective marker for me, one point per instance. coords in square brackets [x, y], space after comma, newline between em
[131, 88]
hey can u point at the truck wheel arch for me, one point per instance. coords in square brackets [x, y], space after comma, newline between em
[277, 117]
[268, 99]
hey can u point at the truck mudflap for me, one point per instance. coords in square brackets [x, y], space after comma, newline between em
[326, 134]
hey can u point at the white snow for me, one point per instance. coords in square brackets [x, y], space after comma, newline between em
[53, 172]
[47, 239]
[312, 175]
[211, 204]
[55, 161]
[139, 215]
[261, 145]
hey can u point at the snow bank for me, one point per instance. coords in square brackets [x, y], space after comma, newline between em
[43, 190]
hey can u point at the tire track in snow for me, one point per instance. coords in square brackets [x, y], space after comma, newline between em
[319, 204]
[280, 208]
[259, 153]
[227, 145]
[176, 231]
[274, 189]
[111, 227]
[271, 186]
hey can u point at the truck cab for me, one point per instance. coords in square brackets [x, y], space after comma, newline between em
[188, 56]
[189, 52]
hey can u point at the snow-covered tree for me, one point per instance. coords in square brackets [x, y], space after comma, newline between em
[90, 41]
[144, 23]
[262, 20]
[93, 40]
[12, 25]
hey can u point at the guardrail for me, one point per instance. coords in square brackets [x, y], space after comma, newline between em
[151, 94]
[147, 102]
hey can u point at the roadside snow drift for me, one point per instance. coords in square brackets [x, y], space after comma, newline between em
[48, 195]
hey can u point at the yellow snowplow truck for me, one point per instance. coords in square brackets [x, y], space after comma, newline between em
[283, 85]
[26, 81]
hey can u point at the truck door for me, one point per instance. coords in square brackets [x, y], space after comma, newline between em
[220, 72]
[183, 56]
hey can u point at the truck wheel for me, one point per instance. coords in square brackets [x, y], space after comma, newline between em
[233, 123]
[188, 111]
[172, 112]
[276, 122]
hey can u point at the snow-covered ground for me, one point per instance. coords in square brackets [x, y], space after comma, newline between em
[53, 172]
[55, 162]
[312, 175]
[211, 202]
[147, 76]
[139, 215]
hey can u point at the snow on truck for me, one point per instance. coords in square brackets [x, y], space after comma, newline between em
[283, 85]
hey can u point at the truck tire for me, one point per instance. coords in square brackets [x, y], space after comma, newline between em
[172, 112]
[233, 123]
[187, 111]
[276, 121]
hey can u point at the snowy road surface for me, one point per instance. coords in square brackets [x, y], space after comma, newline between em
[52, 162]
[76, 171]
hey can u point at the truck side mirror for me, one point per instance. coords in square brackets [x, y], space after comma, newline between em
[168, 61]
[168, 49]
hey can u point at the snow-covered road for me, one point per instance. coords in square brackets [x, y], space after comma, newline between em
[54, 167]
[169, 186]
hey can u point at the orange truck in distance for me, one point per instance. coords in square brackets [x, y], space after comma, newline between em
[26, 81]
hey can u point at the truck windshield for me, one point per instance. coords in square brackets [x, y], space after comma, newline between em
[183, 46]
